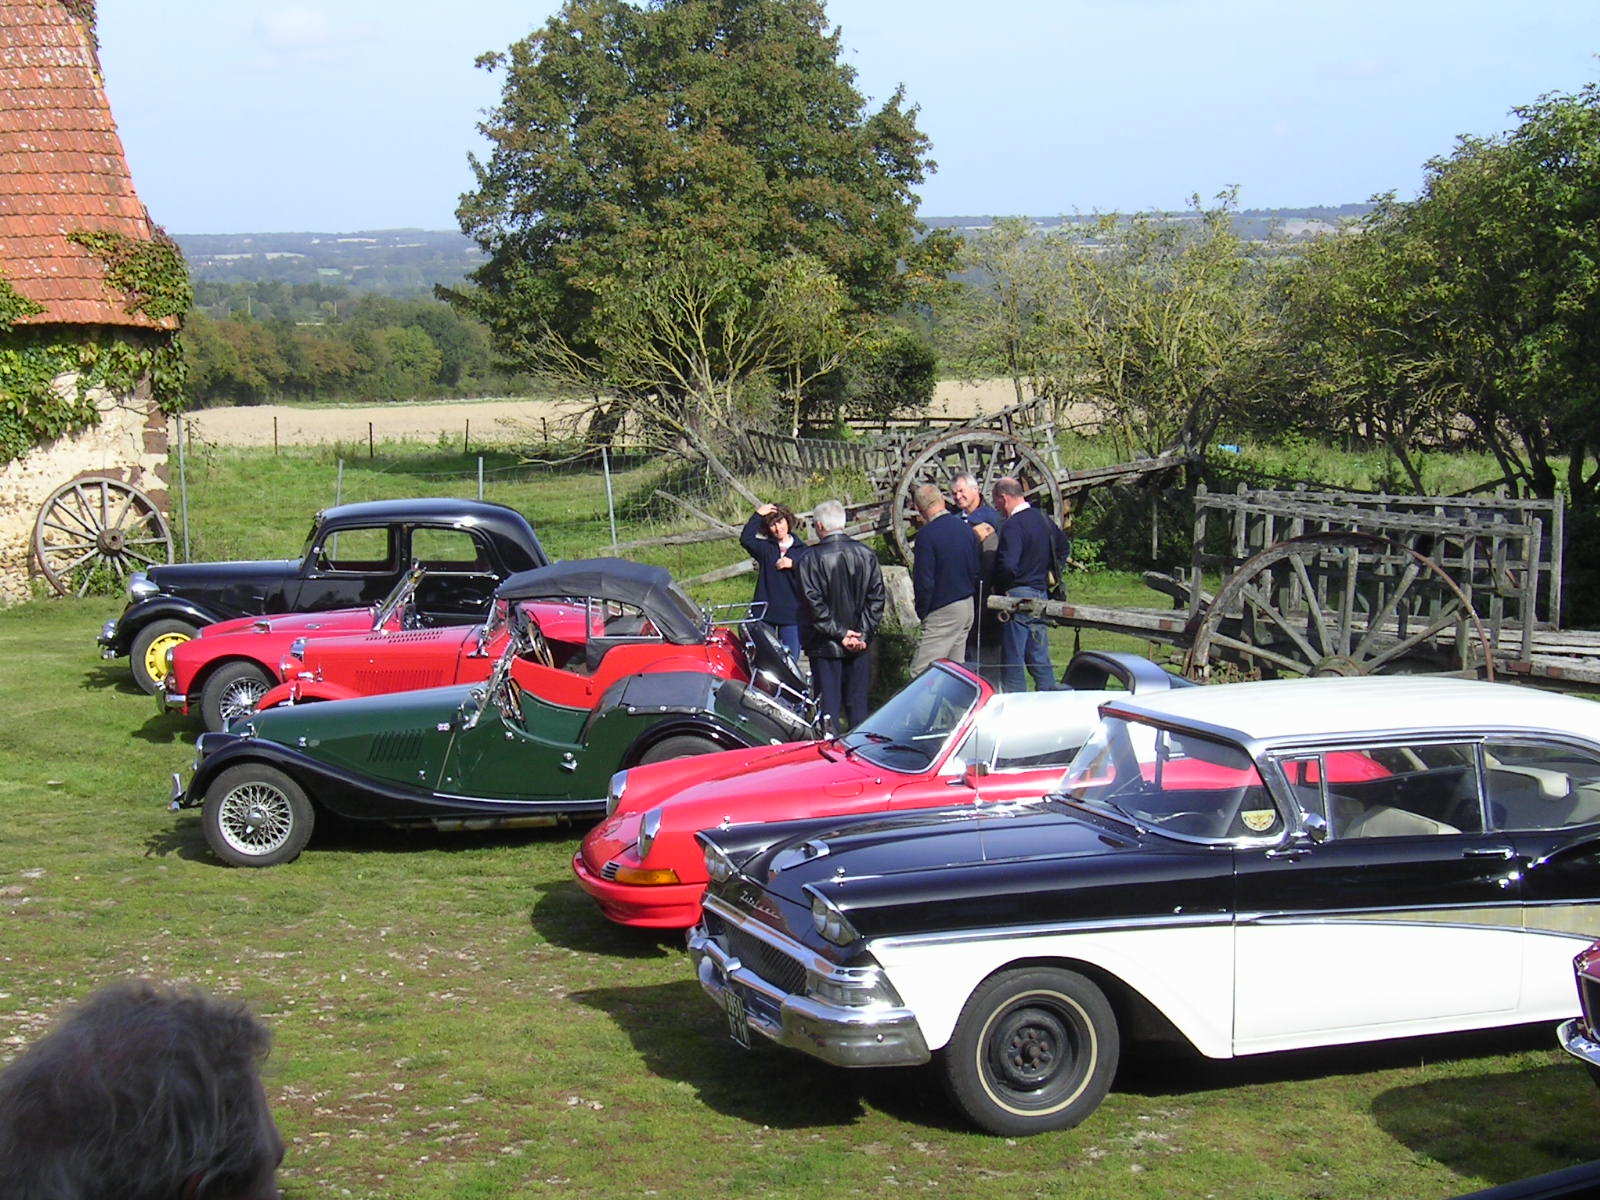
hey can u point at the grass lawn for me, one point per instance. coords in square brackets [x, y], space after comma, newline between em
[454, 1019]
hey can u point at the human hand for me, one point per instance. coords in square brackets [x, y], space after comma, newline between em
[784, 563]
[982, 530]
[766, 509]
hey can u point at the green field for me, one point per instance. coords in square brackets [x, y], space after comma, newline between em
[454, 1019]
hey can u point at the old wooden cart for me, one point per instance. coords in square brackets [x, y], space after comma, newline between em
[1350, 583]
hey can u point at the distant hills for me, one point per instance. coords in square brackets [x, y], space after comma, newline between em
[408, 262]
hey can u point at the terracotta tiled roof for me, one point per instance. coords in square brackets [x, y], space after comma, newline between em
[62, 169]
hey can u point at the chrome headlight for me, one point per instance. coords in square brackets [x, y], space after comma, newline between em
[856, 989]
[168, 657]
[830, 922]
[649, 827]
[619, 784]
[140, 587]
[719, 867]
[297, 648]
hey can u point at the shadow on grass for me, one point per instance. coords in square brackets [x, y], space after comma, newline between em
[113, 674]
[565, 916]
[1155, 1070]
[183, 838]
[1502, 1127]
[680, 1035]
[168, 728]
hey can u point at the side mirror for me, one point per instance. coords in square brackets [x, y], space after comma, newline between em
[1314, 827]
[974, 773]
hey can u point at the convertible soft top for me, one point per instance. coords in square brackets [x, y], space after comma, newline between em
[651, 589]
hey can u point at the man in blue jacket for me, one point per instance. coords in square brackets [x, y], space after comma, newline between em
[1030, 547]
[944, 579]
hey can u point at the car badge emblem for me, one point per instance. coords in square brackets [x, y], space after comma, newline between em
[1258, 820]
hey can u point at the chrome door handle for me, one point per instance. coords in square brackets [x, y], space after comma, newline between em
[1488, 852]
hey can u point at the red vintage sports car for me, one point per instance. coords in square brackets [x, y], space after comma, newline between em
[595, 622]
[947, 737]
[228, 666]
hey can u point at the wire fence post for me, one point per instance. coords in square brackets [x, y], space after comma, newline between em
[480, 477]
[466, 437]
[274, 435]
[369, 439]
[611, 505]
[183, 491]
[338, 483]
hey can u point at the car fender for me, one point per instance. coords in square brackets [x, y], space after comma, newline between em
[329, 787]
[207, 669]
[305, 691]
[158, 608]
[705, 725]
[1185, 972]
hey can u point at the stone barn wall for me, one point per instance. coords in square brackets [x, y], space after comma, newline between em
[128, 443]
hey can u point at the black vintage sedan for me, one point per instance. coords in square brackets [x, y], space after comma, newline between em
[1250, 868]
[353, 556]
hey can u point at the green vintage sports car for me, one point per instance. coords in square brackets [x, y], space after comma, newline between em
[495, 755]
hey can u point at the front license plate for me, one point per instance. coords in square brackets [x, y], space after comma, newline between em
[733, 1009]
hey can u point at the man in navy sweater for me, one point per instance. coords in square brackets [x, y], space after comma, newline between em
[1030, 546]
[944, 578]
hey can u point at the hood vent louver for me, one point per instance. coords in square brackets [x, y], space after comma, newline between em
[395, 746]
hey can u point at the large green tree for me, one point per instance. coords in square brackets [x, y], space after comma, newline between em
[713, 140]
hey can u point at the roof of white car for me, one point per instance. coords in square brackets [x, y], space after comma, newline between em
[1314, 708]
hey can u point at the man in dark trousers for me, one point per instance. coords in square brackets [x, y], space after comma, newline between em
[843, 588]
[944, 579]
[1030, 546]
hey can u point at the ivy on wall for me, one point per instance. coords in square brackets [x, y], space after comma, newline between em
[151, 274]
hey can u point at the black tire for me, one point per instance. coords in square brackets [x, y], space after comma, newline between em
[679, 745]
[232, 690]
[148, 680]
[1035, 1049]
[256, 816]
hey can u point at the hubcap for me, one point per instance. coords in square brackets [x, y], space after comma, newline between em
[155, 657]
[255, 818]
[1030, 1044]
[239, 699]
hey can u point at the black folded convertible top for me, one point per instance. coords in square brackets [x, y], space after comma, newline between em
[651, 589]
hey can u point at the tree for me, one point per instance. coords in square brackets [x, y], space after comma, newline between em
[996, 321]
[712, 140]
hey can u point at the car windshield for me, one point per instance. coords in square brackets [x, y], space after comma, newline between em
[398, 595]
[907, 732]
[1172, 782]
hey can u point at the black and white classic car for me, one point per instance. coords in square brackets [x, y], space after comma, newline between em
[1251, 867]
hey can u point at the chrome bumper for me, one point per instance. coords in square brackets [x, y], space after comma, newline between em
[178, 792]
[169, 700]
[107, 639]
[1576, 1040]
[871, 1036]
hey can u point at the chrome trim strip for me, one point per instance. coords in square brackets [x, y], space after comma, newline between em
[781, 942]
[1573, 1036]
[1107, 925]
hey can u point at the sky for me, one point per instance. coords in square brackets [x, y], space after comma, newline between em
[343, 115]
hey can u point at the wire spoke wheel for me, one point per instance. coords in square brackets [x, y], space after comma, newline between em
[985, 454]
[255, 818]
[240, 698]
[1330, 604]
[92, 533]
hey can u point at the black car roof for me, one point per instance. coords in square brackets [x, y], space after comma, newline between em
[497, 519]
[651, 589]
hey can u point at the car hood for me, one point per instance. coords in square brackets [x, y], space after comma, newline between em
[324, 724]
[987, 865]
[179, 578]
[349, 619]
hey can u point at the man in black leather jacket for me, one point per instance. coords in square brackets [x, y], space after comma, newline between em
[843, 587]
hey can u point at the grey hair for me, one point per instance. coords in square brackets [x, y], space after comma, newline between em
[140, 1090]
[1007, 485]
[926, 497]
[966, 477]
[829, 516]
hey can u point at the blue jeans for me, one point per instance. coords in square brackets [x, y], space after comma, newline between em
[789, 635]
[1026, 644]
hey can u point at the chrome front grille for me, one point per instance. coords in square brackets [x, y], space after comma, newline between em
[767, 961]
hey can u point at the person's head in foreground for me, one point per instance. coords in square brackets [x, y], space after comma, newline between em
[141, 1093]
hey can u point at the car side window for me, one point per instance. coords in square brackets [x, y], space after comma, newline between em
[447, 550]
[1402, 790]
[1530, 785]
[364, 551]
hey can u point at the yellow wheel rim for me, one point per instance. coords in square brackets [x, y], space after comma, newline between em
[155, 656]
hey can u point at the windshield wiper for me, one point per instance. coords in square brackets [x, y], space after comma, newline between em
[1123, 812]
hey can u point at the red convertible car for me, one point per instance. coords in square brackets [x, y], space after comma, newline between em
[595, 622]
[947, 737]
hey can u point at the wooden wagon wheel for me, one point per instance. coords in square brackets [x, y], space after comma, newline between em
[1340, 604]
[985, 454]
[94, 532]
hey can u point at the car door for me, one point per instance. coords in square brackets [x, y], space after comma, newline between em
[522, 748]
[1546, 795]
[461, 577]
[349, 568]
[1406, 919]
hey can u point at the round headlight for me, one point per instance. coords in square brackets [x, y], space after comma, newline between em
[619, 784]
[168, 657]
[649, 827]
[830, 922]
[140, 587]
[297, 648]
[719, 867]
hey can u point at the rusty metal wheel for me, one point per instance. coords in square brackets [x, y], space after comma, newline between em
[1339, 604]
[92, 533]
[985, 454]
